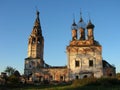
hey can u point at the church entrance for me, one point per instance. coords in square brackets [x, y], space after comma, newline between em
[77, 77]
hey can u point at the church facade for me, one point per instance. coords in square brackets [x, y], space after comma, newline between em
[84, 55]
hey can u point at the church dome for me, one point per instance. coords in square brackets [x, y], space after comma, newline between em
[81, 23]
[74, 26]
[90, 25]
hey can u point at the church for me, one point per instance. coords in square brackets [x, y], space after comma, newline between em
[84, 56]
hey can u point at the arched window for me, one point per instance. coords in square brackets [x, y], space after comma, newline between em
[33, 40]
[61, 78]
[90, 63]
[38, 41]
[77, 77]
[110, 74]
[85, 76]
[51, 77]
[77, 64]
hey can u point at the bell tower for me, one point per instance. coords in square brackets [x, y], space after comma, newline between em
[36, 41]
[35, 48]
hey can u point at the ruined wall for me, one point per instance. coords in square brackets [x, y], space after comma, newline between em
[51, 74]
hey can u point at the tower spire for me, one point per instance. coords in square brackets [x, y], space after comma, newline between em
[81, 27]
[81, 19]
[81, 23]
[37, 27]
[74, 24]
[37, 21]
[73, 18]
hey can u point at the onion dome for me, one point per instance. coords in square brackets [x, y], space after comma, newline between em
[74, 25]
[81, 23]
[90, 25]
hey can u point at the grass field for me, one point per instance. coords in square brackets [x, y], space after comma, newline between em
[83, 84]
[68, 87]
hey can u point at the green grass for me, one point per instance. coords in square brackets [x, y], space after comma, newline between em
[82, 84]
[68, 87]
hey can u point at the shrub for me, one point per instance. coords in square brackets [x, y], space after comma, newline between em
[83, 82]
[105, 82]
[108, 81]
[13, 79]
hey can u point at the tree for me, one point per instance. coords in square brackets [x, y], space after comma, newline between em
[13, 79]
[118, 75]
[17, 74]
[10, 70]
